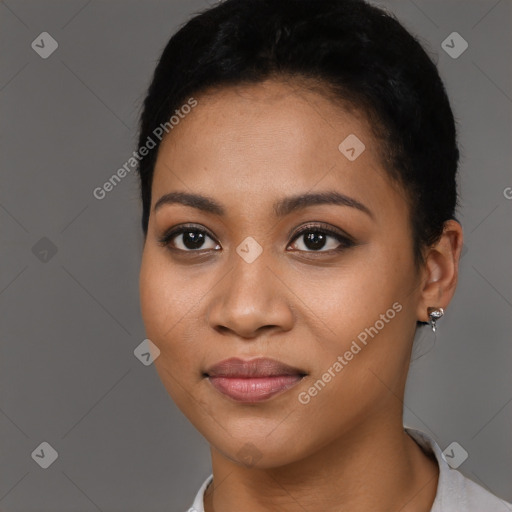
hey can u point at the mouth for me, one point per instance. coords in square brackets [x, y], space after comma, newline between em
[253, 381]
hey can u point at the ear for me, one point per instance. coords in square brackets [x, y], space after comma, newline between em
[441, 270]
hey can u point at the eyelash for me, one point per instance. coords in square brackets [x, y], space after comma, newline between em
[346, 242]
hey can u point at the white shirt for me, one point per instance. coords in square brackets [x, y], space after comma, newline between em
[455, 492]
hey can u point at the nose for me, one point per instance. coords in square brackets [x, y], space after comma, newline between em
[250, 300]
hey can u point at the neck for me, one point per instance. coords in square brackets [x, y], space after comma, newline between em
[377, 466]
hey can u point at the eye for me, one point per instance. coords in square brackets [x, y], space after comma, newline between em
[315, 238]
[188, 238]
[321, 238]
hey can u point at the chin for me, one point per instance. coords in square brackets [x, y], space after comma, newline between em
[250, 446]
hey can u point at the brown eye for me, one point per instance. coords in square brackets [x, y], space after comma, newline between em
[321, 239]
[188, 239]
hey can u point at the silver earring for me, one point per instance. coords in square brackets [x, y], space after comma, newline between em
[434, 314]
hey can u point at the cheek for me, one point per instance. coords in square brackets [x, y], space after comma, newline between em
[164, 299]
[164, 309]
[364, 314]
[351, 297]
[152, 286]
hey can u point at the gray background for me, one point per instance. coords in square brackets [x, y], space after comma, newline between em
[70, 323]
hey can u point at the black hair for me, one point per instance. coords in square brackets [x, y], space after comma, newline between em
[359, 54]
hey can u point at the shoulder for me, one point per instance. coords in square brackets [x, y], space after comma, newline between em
[455, 491]
[472, 496]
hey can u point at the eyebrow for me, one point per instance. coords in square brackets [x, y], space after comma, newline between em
[281, 208]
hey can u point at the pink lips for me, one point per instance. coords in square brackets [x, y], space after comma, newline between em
[253, 381]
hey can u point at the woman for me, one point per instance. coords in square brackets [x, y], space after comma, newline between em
[299, 192]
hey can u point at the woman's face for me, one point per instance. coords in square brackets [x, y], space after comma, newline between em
[336, 303]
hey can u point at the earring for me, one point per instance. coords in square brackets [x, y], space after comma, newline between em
[434, 314]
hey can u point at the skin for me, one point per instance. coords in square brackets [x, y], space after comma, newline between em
[247, 147]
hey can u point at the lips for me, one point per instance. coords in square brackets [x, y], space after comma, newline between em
[254, 380]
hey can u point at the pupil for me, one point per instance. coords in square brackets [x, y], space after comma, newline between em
[315, 240]
[193, 239]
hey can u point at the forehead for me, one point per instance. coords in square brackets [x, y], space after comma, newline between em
[267, 140]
